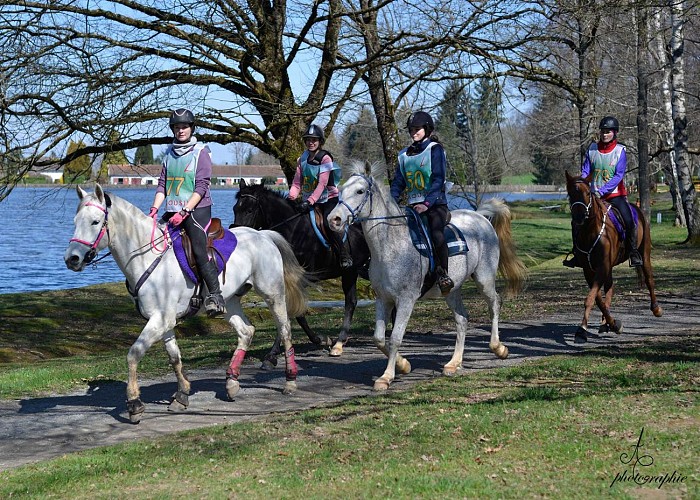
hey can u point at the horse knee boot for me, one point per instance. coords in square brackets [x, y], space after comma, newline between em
[635, 257]
[214, 303]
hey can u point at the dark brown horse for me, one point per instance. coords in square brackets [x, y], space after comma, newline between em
[598, 247]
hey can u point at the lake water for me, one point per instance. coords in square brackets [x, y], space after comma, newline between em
[37, 223]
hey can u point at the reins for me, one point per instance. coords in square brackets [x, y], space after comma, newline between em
[353, 217]
[586, 217]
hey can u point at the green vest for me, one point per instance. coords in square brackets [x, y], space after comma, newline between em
[417, 171]
[181, 172]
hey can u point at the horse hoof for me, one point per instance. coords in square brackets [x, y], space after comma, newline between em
[232, 388]
[604, 328]
[179, 402]
[268, 364]
[403, 366]
[381, 385]
[290, 387]
[581, 335]
[336, 350]
[656, 310]
[501, 351]
[617, 327]
[136, 409]
[449, 370]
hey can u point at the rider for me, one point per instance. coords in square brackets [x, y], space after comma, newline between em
[607, 159]
[317, 178]
[184, 186]
[421, 169]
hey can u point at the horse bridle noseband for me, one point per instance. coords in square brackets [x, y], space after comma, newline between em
[353, 217]
[92, 253]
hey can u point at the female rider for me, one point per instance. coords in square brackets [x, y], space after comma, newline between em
[184, 186]
[421, 171]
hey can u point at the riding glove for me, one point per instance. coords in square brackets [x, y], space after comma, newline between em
[153, 213]
[305, 207]
[177, 219]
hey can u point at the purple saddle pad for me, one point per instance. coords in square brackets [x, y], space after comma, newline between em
[224, 246]
[619, 225]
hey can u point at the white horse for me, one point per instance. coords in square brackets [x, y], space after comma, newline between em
[262, 259]
[397, 269]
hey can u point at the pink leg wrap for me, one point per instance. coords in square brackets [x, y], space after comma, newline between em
[234, 369]
[291, 365]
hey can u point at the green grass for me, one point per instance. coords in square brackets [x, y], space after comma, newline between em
[552, 428]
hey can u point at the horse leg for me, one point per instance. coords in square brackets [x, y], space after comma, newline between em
[245, 331]
[319, 340]
[403, 314]
[284, 331]
[487, 287]
[180, 400]
[648, 273]
[270, 360]
[454, 301]
[593, 291]
[349, 281]
[154, 331]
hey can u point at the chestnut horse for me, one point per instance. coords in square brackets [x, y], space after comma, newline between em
[598, 247]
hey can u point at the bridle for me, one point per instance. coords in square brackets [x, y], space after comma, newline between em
[586, 217]
[259, 211]
[353, 217]
[92, 253]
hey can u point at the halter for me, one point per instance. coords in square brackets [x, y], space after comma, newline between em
[92, 253]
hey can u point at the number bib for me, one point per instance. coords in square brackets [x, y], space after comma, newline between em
[417, 171]
[181, 172]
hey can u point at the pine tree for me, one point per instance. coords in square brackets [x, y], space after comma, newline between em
[144, 155]
[79, 169]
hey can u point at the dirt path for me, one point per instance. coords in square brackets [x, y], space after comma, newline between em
[43, 428]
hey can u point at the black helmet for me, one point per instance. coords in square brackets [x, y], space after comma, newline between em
[609, 122]
[420, 119]
[314, 131]
[182, 115]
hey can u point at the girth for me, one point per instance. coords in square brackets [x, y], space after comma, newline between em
[214, 232]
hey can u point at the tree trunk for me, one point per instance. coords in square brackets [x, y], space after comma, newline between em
[680, 121]
[642, 110]
[667, 124]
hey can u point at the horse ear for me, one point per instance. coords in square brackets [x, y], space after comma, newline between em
[241, 183]
[568, 176]
[81, 192]
[99, 193]
[589, 178]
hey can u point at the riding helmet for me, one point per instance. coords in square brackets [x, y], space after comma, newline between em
[182, 115]
[609, 122]
[421, 119]
[314, 131]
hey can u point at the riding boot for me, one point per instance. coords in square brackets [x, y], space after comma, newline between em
[572, 261]
[214, 303]
[635, 257]
[445, 283]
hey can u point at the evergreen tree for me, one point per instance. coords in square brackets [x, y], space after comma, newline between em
[361, 141]
[114, 157]
[144, 155]
[79, 169]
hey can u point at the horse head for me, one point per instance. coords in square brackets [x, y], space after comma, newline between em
[259, 207]
[90, 228]
[581, 200]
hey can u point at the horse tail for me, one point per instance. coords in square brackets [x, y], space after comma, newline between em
[509, 264]
[295, 281]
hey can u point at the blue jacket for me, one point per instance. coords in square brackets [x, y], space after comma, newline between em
[438, 163]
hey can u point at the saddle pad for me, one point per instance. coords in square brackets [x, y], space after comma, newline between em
[615, 218]
[317, 230]
[420, 237]
[224, 246]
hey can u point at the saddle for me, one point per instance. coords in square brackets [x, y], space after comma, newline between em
[214, 232]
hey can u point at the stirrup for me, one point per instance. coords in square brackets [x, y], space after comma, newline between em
[570, 262]
[214, 305]
[346, 262]
[445, 284]
[636, 259]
